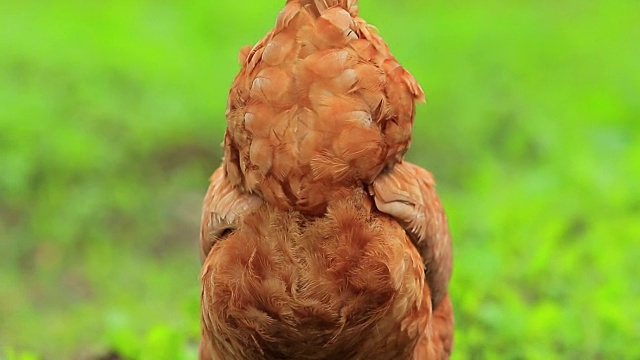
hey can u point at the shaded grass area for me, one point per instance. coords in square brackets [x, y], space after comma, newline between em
[111, 116]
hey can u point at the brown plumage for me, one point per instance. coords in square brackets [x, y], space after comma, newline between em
[318, 240]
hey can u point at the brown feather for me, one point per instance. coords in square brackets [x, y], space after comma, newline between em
[407, 192]
[321, 59]
[301, 262]
[223, 208]
[328, 289]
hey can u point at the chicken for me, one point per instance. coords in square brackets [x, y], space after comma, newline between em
[318, 241]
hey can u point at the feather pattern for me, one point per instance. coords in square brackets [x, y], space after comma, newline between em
[318, 241]
[319, 72]
[407, 192]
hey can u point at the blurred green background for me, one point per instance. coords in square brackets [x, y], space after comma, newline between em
[111, 116]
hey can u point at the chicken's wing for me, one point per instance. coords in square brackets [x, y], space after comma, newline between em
[407, 192]
[223, 206]
[437, 341]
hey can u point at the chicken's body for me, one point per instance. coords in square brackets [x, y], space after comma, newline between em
[318, 241]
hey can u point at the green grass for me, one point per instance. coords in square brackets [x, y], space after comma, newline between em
[111, 116]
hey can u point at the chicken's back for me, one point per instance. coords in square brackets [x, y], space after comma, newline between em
[347, 285]
[320, 104]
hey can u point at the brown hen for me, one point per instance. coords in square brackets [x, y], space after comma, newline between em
[318, 240]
